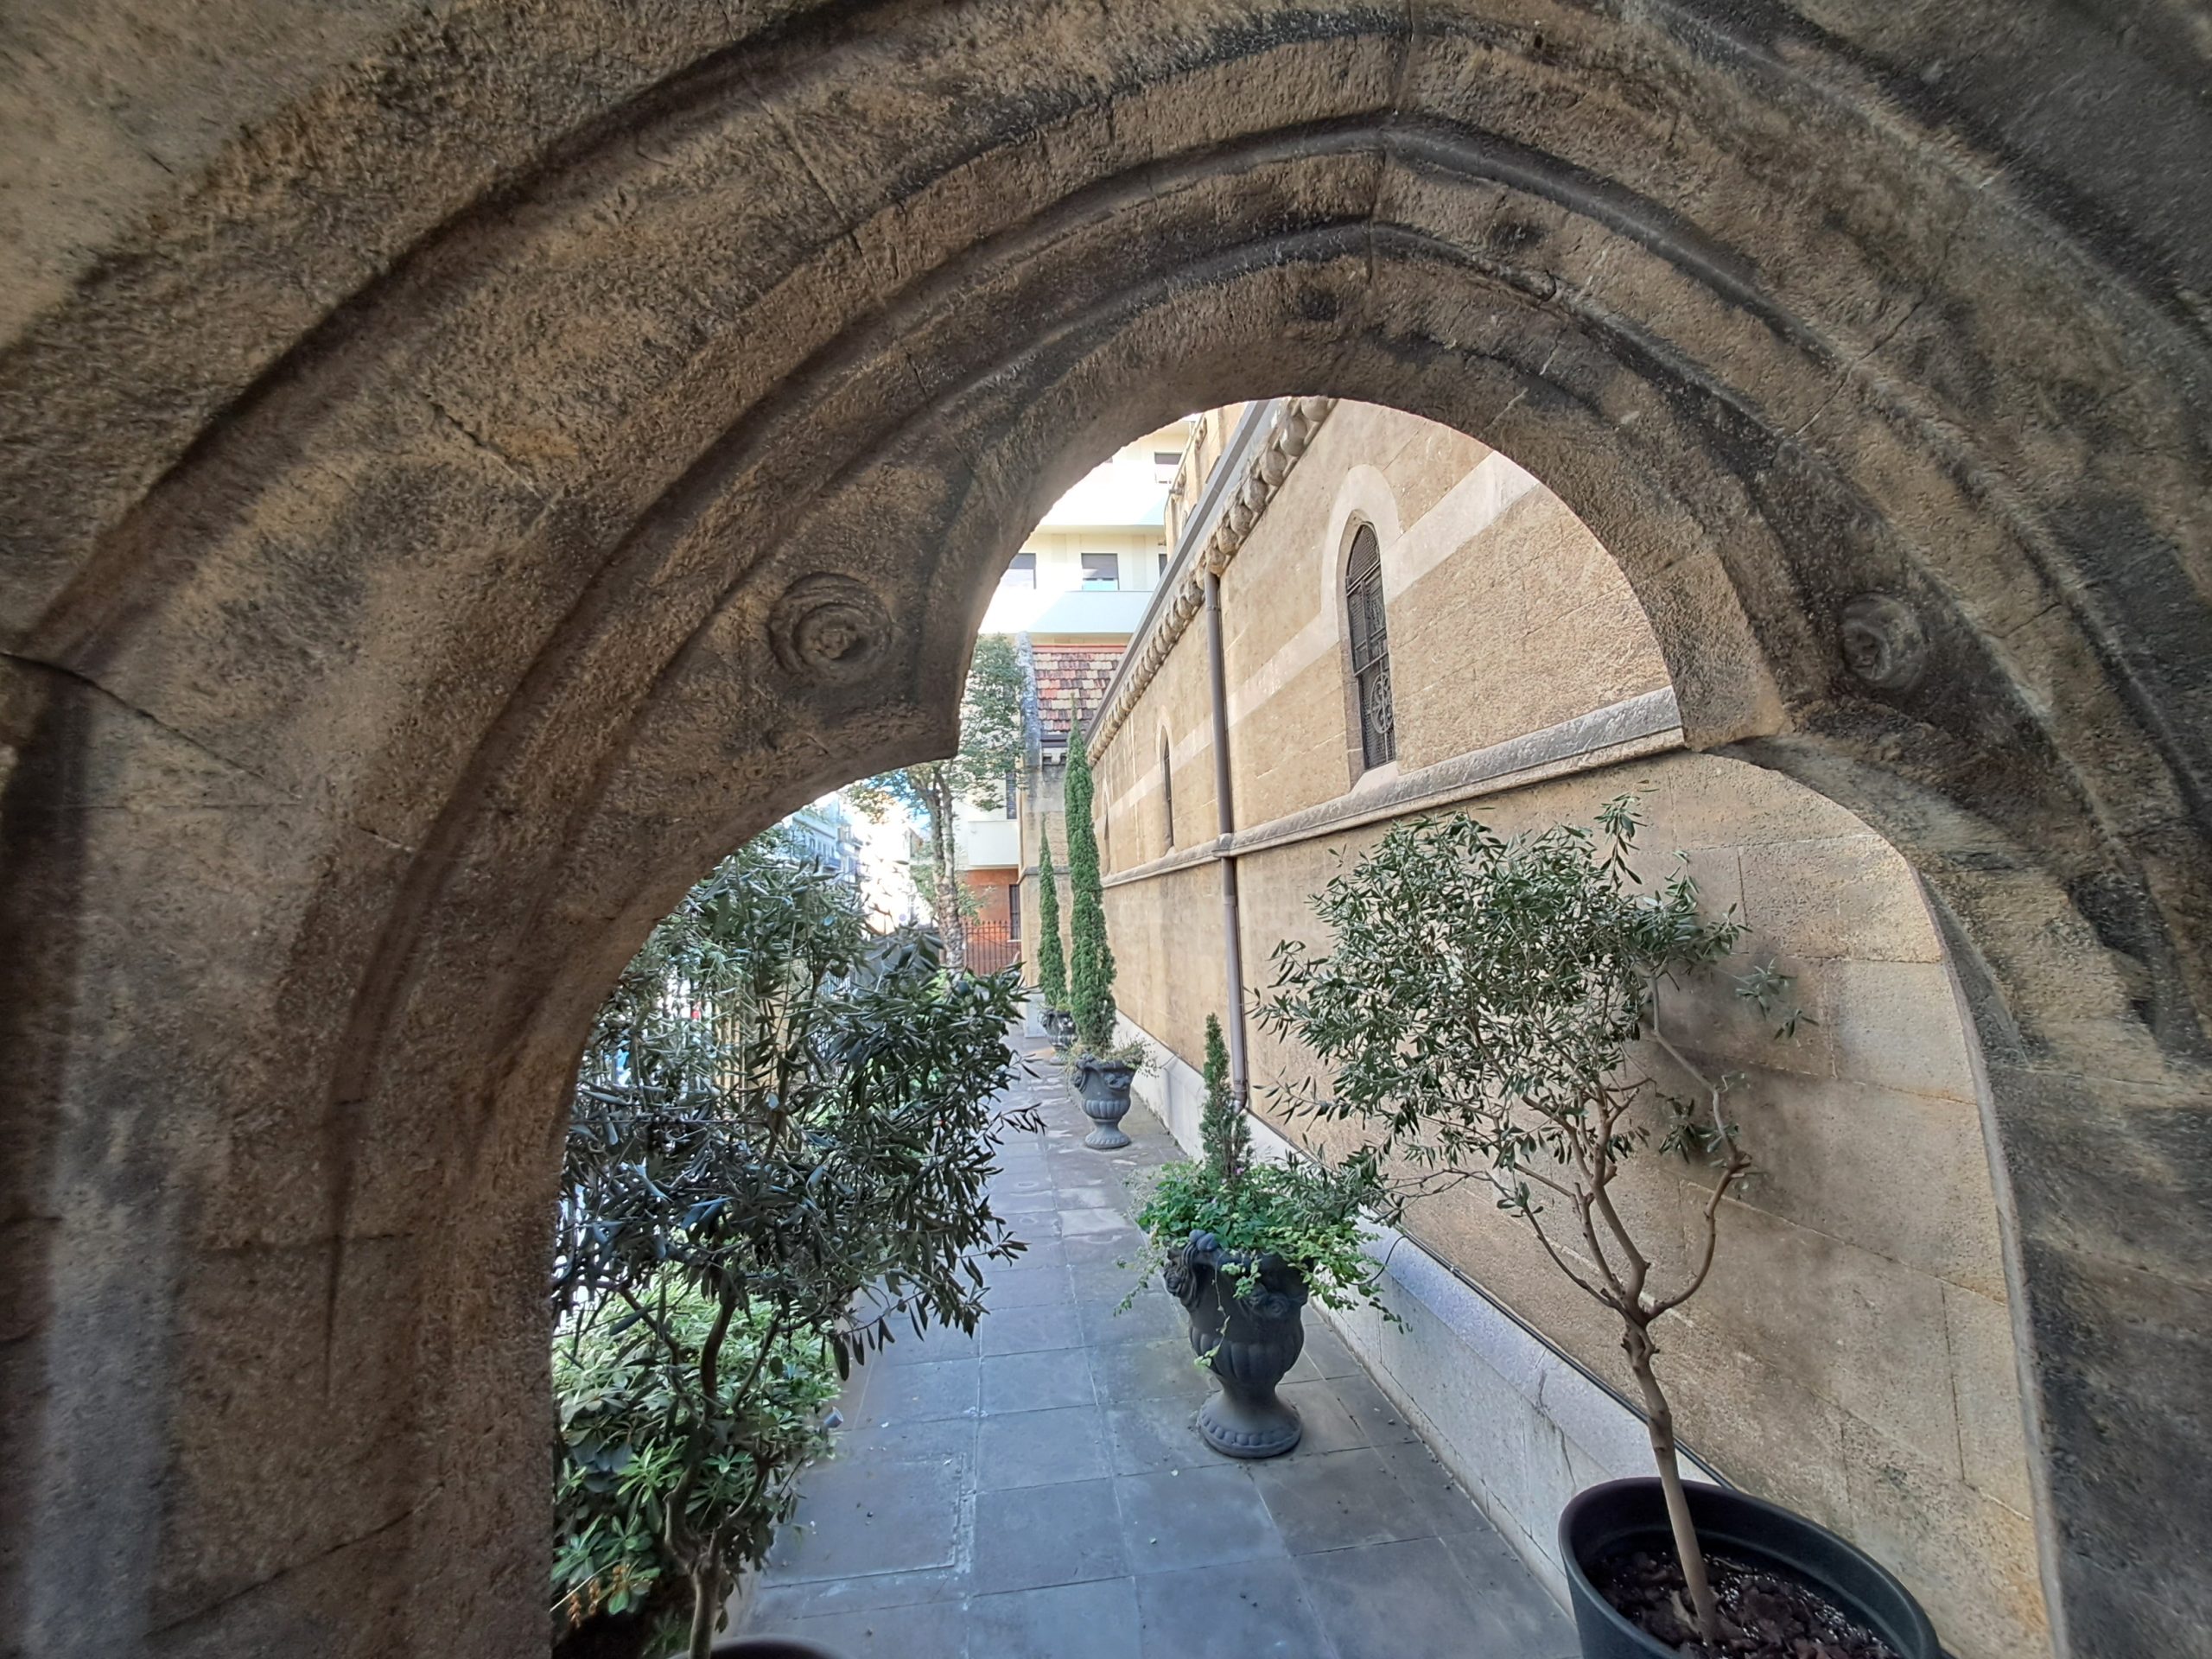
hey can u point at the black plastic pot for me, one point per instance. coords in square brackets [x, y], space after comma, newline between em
[1105, 1086]
[768, 1647]
[1253, 1327]
[1632, 1515]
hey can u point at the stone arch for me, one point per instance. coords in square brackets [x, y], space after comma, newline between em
[541, 448]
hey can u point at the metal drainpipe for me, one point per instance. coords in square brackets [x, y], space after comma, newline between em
[1232, 948]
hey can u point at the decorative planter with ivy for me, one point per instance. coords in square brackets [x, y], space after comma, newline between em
[1059, 1026]
[1246, 1323]
[1102, 1083]
[1244, 1247]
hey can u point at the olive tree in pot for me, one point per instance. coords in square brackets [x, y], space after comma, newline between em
[781, 1133]
[1242, 1247]
[1102, 1068]
[1486, 1010]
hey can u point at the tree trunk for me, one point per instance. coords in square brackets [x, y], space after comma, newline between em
[706, 1609]
[1659, 1419]
[952, 925]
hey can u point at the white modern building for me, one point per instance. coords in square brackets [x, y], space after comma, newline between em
[1070, 597]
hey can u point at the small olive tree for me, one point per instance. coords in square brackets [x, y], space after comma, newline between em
[782, 1132]
[1480, 1007]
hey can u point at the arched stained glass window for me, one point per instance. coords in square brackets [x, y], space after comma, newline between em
[1370, 649]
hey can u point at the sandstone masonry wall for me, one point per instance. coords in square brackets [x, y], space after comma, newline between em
[1853, 1354]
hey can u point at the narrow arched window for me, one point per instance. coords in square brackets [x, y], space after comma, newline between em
[1167, 789]
[1370, 649]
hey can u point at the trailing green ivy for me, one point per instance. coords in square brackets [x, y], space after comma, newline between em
[1051, 957]
[1306, 1213]
[1090, 960]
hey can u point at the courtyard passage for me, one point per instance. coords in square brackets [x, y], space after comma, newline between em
[1038, 1490]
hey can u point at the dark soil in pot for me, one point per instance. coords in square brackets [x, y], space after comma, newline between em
[1764, 1614]
[1623, 1579]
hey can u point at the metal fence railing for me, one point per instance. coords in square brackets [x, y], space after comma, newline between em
[991, 946]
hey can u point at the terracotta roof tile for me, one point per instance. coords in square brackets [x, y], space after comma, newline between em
[1072, 682]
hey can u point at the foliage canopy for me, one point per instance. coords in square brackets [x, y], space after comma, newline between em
[777, 1111]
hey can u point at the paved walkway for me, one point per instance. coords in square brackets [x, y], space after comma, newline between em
[1038, 1490]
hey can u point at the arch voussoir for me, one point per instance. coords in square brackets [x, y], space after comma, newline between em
[400, 616]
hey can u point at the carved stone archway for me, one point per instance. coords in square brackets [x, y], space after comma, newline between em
[546, 444]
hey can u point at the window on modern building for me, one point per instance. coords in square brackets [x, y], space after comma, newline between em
[1167, 789]
[1164, 463]
[1370, 649]
[1163, 566]
[1022, 573]
[1102, 569]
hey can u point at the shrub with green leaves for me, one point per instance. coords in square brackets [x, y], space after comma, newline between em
[1224, 1132]
[1306, 1213]
[776, 1112]
[627, 1391]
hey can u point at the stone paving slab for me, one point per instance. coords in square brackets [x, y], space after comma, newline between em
[1038, 1488]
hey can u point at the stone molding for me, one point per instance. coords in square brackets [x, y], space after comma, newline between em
[1628, 730]
[1211, 540]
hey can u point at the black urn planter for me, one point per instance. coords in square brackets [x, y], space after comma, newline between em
[1623, 1515]
[1105, 1086]
[1253, 1327]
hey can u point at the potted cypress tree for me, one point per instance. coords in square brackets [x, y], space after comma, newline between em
[1052, 958]
[1242, 1247]
[1489, 1009]
[1102, 1067]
